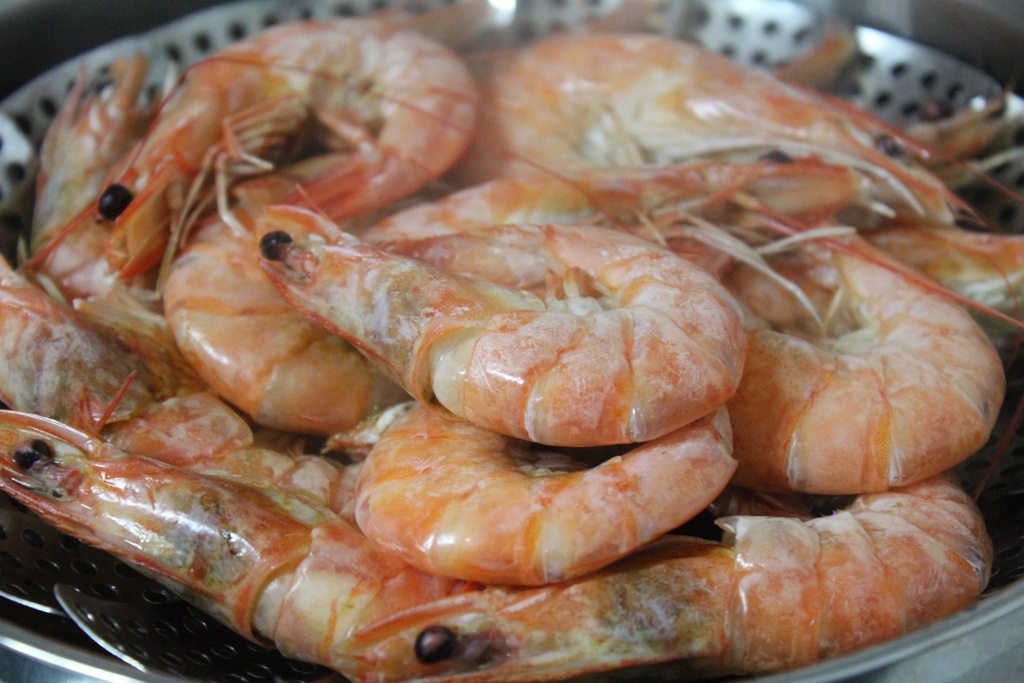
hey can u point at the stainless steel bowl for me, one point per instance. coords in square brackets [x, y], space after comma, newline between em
[961, 49]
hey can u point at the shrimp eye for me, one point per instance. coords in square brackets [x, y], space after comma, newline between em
[273, 245]
[435, 644]
[776, 156]
[114, 200]
[27, 455]
[889, 146]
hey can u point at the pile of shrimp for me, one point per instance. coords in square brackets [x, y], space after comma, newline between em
[413, 361]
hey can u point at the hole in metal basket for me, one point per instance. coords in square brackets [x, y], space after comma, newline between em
[32, 538]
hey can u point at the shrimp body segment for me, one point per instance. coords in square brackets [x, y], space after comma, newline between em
[634, 343]
[904, 385]
[575, 102]
[402, 106]
[457, 500]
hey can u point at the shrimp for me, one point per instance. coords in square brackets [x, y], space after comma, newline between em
[55, 361]
[984, 267]
[457, 500]
[255, 351]
[129, 385]
[640, 343]
[925, 380]
[778, 592]
[401, 105]
[96, 126]
[575, 102]
[272, 564]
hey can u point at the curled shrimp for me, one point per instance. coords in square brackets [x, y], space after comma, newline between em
[402, 106]
[280, 368]
[900, 385]
[639, 343]
[575, 102]
[779, 591]
[457, 500]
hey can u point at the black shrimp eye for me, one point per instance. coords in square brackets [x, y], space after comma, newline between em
[28, 455]
[435, 644]
[776, 156]
[889, 146]
[273, 245]
[114, 200]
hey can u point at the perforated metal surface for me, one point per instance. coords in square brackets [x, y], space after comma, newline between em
[893, 77]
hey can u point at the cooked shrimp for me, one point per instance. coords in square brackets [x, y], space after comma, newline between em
[282, 369]
[137, 393]
[96, 126]
[985, 267]
[458, 500]
[56, 362]
[575, 102]
[902, 385]
[403, 107]
[272, 564]
[638, 343]
[777, 593]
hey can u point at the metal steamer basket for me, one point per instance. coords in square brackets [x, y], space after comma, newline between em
[66, 608]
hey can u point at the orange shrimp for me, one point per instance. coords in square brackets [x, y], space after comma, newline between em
[575, 102]
[96, 126]
[637, 343]
[900, 385]
[130, 386]
[271, 563]
[401, 105]
[457, 500]
[242, 338]
[778, 592]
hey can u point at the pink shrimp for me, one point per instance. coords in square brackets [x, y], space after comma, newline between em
[129, 385]
[272, 564]
[778, 592]
[96, 126]
[242, 338]
[457, 500]
[640, 343]
[401, 105]
[900, 385]
[575, 102]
